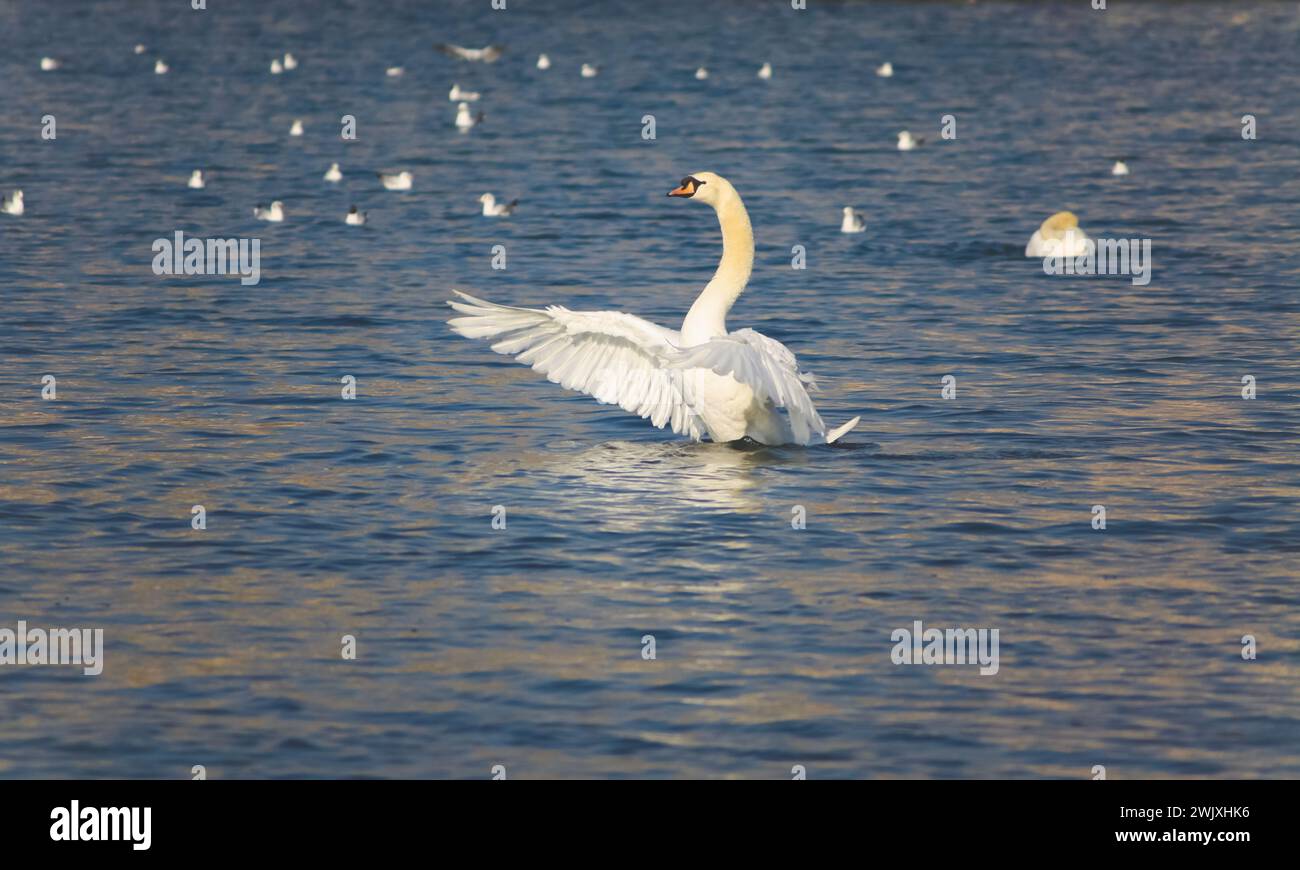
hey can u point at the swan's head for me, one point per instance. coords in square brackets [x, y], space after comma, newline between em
[705, 187]
[1059, 224]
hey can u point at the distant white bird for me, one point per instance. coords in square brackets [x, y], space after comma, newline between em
[160, 68]
[196, 180]
[701, 74]
[355, 218]
[885, 70]
[466, 119]
[486, 54]
[852, 221]
[543, 62]
[13, 203]
[457, 94]
[276, 67]
[139, 48]
[394, 71]
[492, 208]
[333, 174]
[765, 71]
[290, 62]
[274, 214]
[48, 64]
[702, 380]
[296, 129]
[1059, 236]
[906, 141]
[395, 181]
[589, 71]
[1120, 168]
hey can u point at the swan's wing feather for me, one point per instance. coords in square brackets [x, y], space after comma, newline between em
[765, 366]
[616, 358]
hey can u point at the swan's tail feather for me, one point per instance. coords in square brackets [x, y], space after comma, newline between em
[838, 432]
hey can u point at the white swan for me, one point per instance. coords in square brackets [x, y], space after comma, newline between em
[486, 54]
[333, 175]
[589, 71]
[885, 70]
[274, 214]
[395, 181]
[457, 94]
[1120, 168]
[543, 62]
[160, 68]
[13, 204]
[1059, 236]
[765, 71]
[465, 119]
[196, 180]
[852, 222]
[701, 380]
[906, 141]
[355, 218]
[492, 208]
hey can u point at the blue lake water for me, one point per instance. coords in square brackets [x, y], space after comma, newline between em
[523, 646]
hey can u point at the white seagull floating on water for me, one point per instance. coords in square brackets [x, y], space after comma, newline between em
[13, 204]
[457, 95]
[589, 71]
[486, 54]
[276, 67]
[394, 71]
[196, 180]
[355, 218]
[274, 214]
[296, 129]
[160, 68]
[49, 64]
[1059, 236]
[906, 141]
[290, 62]
[765, 71]
[333, 174]
[1120, 168]
[139, 48]
[700, 380]
[852, 222]
[885, 70]
[395, 180]
[492, 208]
[543, 62]
[466, 119]
[701, 74]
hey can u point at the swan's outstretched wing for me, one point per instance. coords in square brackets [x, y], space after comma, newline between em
[764, 365]
[616, 358]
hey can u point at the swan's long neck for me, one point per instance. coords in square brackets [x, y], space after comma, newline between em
[708, 316]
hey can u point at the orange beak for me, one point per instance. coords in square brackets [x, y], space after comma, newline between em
[687, 189]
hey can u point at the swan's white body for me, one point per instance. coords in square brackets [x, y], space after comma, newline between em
[885, 70]
[196, 180]
[13, 204]
[700, 380]
[1120, 168]
[333, 175]
[492, 208]
[274, 214]
[765, 71]
[396, 181]
[852, 222]
[1059, 236]
[457, 94]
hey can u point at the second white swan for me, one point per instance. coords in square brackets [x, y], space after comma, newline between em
[700, 380]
